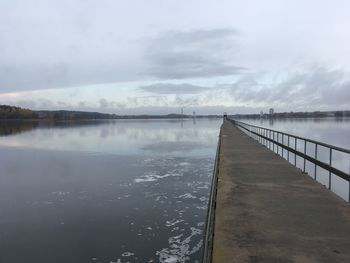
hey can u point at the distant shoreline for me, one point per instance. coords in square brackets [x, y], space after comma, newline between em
[113, 119]
[293, 115]
[8, 112]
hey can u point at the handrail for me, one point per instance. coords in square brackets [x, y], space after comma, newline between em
[298, 137]
[267, 136]
[209, 224]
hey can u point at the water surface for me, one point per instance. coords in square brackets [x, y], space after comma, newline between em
[105, 191]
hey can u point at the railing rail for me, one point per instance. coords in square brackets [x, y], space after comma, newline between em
[209, 225]
[297, 137]
[281, 139]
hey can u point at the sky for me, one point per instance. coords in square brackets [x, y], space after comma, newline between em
[158, 56]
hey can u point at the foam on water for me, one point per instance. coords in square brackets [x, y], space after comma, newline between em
[60, 193]
[127, 254]
[154, 177]
[179, 248]
[187, 196]
[173, 222]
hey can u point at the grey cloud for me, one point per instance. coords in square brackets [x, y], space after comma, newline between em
[144, 102]
[192, 37]
[43, 104]
[186, 102]
[39, 61]
[319, 88]
[167, 88]
[58, 44]
[28, 103]
[246, 89]
[197, 53]
[49, 75]
[82, 104]
[104, 103]
[62, 103]
[108, 105]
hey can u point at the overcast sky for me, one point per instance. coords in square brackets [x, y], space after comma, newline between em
[132, 57]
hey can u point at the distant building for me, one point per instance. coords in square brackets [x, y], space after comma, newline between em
[261, 114]
[271, 111]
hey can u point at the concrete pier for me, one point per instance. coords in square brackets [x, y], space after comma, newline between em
[267, 210]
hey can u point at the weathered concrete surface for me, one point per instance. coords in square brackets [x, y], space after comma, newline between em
[268, 211]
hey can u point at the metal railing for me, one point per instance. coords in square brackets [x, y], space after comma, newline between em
[280, 142]
[209, 224]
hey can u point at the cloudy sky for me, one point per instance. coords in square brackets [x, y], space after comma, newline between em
[156, 56]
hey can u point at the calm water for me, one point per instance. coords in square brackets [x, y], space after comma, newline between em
[105, 191]
[334, 131]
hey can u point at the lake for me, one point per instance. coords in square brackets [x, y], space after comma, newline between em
[121, 190]
[105, 191]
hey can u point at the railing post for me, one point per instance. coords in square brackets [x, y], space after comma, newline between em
[255, 132]
[305, 154]
[270, 138]
[330, 174]
[264, 133]
[282, 143]
[315, 176]
[288, 150]
[260, 131]
[295, 148]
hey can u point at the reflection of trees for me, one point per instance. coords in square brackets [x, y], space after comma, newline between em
[14, 127]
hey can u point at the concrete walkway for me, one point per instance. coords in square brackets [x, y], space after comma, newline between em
[268, 211]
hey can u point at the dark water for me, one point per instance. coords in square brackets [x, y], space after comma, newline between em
[334, 131]
[105, 191]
